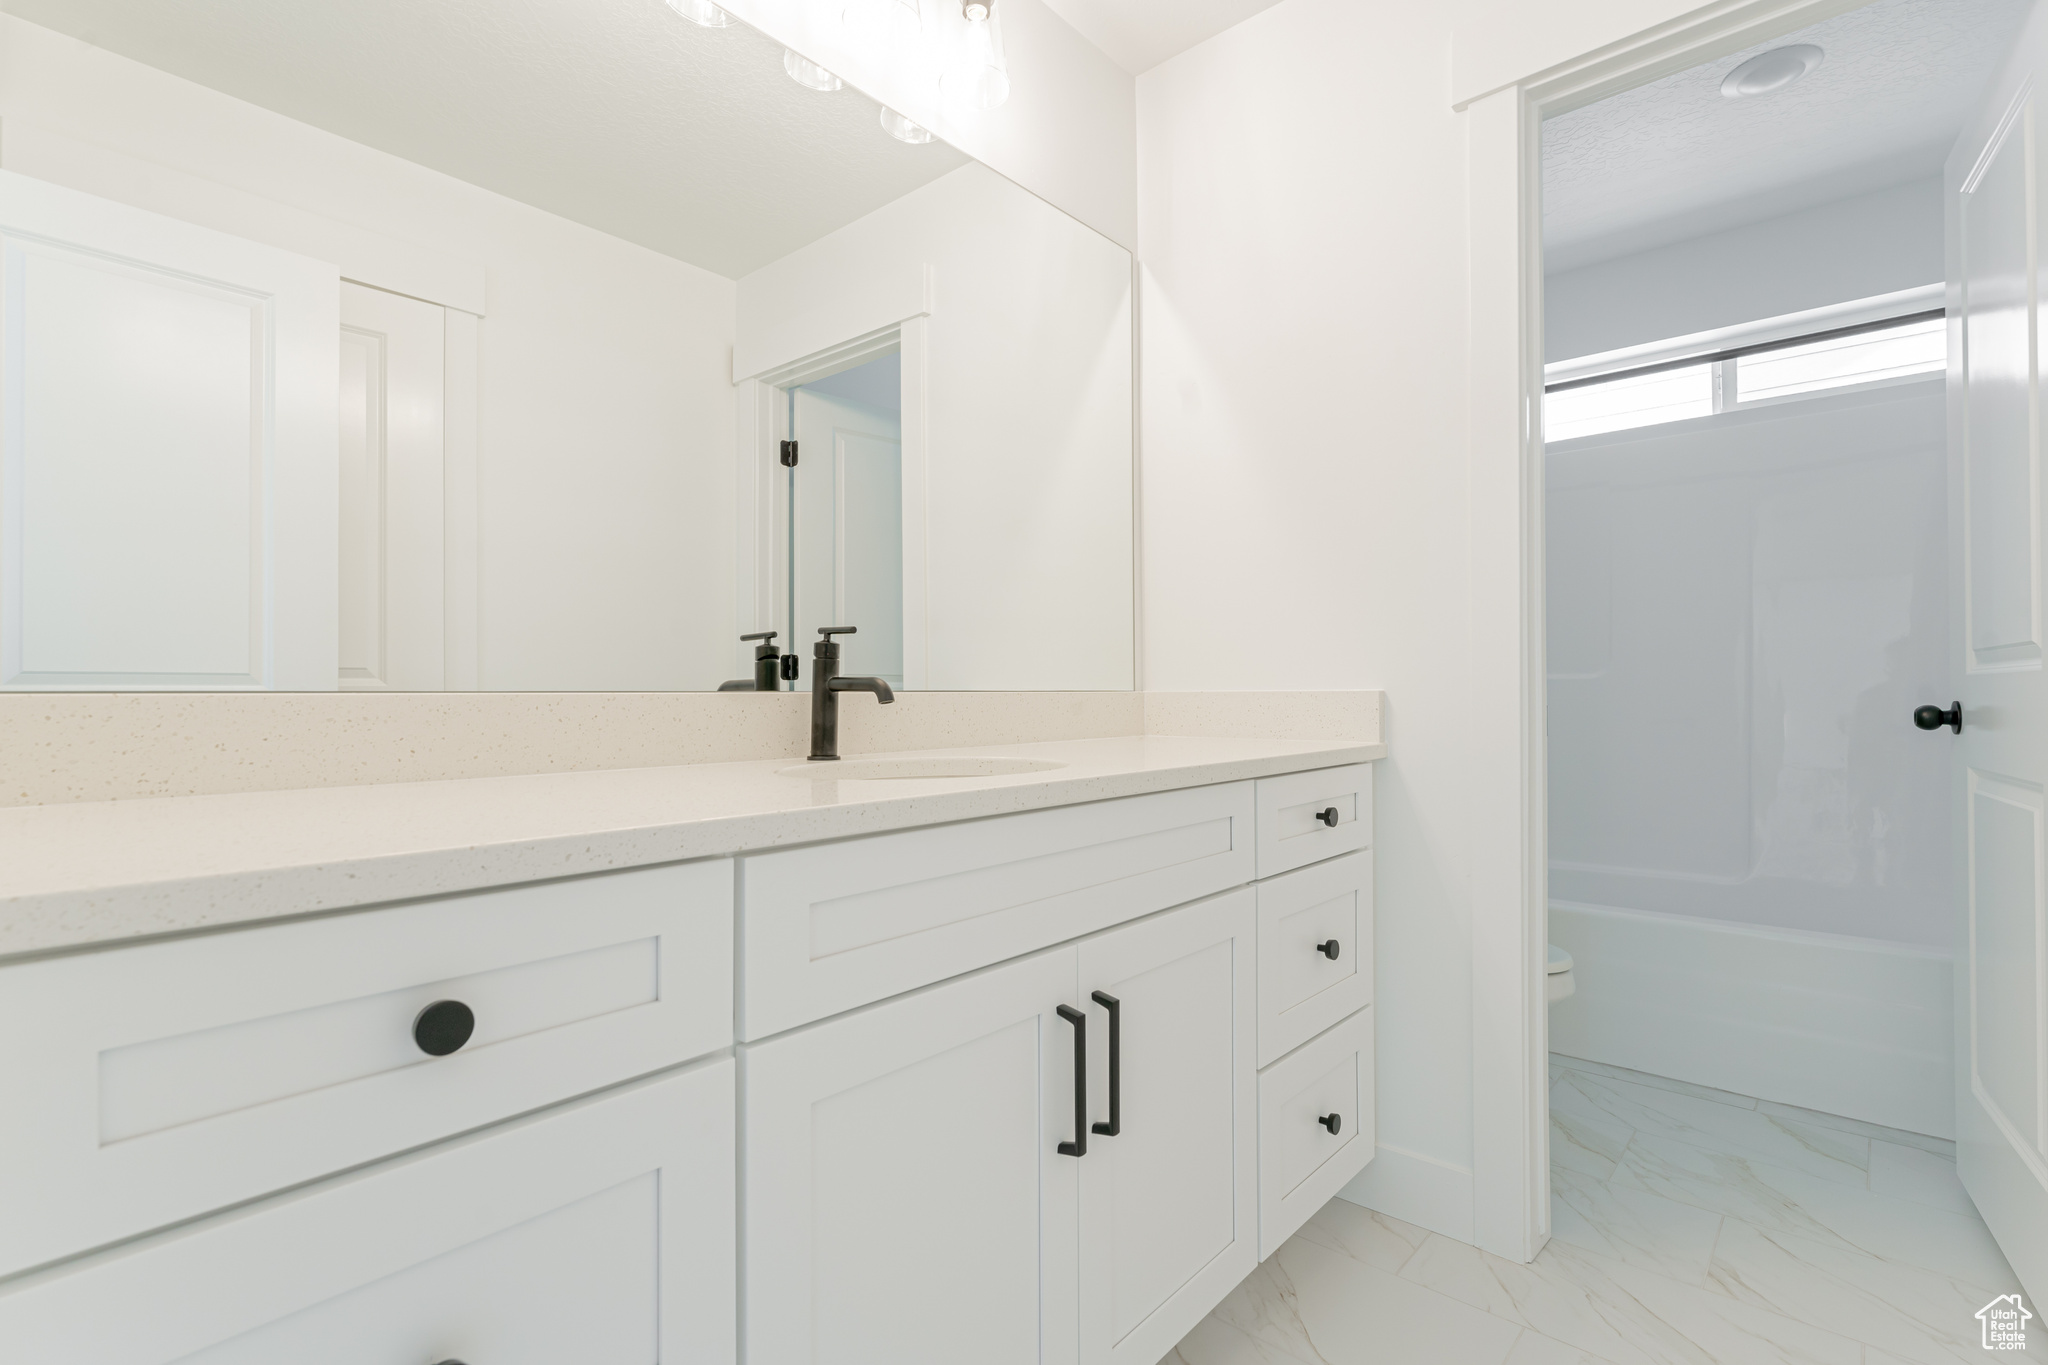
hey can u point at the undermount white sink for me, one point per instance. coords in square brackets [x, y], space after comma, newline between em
[871, 769]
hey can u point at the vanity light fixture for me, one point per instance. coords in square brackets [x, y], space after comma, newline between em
[1769, 72]
[701, 12]
[979, 76]
[902, 129]
[806, 72]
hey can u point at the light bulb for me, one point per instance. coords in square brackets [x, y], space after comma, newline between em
[978, 75]
[902, 129]
[804, 71]
[701, 12]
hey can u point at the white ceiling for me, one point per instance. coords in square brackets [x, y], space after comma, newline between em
[1140, 34]
[614, 113]
[1675, 158]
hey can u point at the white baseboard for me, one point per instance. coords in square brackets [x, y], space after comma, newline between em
[1416, 1189]
[1855, 1027]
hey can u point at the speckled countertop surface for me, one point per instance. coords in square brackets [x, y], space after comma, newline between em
[102, 871]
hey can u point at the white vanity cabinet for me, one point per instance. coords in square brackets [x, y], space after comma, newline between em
[1038, 1088]
[904, 1189]
[599, 1233]
[158, 1082]
[1169, 1199]
[926, 1173]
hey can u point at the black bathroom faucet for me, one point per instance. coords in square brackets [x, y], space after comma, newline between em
[826, 685]
[772, 668]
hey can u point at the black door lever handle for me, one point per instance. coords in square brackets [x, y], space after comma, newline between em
[1933, 717]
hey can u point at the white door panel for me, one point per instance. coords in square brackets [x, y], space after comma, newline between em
[848, 554]
[2000, 759]
[906, 1198]
[392, 363]
[1168, 1202]
[168, 476]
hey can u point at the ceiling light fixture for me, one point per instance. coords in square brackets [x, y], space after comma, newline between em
[701, 12]
[902, 129]
[804, 71]
[979, 76]
[1769, 72]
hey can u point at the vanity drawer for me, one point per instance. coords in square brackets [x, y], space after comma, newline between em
[834, 926]
[1303, 917]
[600, 1233]
[158, 1082]
[1293, 830]
[1302, 1164]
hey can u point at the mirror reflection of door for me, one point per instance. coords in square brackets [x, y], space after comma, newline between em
[846, 542]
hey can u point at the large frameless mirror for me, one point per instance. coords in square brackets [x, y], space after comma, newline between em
[650, 335]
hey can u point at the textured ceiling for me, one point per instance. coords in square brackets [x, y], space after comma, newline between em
[1140, 34]
[614, 113]
[1675, 158]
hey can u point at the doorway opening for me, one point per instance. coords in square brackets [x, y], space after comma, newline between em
[1749, 539]
[843, 511]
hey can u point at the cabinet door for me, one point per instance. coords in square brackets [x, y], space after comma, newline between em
[1168, 1202]
[599, 1233]
[906, 1197]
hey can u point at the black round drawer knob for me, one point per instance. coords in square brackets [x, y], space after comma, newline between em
[443, 1027]
[1329, 949]
[1332, 1121]
[1328, 816]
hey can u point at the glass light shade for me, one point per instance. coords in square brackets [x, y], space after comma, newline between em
[804, 71]
[701, 12]
[902, 129]
[978, 75]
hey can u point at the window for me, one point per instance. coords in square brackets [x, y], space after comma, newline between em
[1894, 353]
[1731, 373]
[1641, 401]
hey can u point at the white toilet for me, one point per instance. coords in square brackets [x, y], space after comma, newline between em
[1558, 984]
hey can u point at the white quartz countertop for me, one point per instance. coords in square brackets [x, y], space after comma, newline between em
[96, 872]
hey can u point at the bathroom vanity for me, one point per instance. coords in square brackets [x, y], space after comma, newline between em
[687, 1064]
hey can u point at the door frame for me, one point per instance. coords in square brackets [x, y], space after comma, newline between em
[763, 531]
[1511, 70]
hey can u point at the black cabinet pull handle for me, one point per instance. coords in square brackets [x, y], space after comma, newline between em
[1328, 816]
[1933, 717]
[1332, 1121]
[443, 1027]
[1079, 1146]
[1330, 949]
[1116, 1064]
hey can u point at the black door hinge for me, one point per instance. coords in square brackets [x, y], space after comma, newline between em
[789, 454]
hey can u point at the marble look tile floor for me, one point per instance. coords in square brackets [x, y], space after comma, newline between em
[1689, 1226]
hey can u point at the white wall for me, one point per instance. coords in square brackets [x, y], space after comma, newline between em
[1743, 612]
[1028, 408]
[1305, 480]
[605, 408]
[1854, 248]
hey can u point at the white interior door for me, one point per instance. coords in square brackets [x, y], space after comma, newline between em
[1169, 1202]
[848, 545]
[906, 1199]
[392, 364]
[168, 478]
[2001, 757]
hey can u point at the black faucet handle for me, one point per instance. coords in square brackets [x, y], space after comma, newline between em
[829, 631]
[760, 635]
